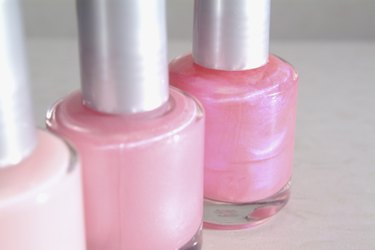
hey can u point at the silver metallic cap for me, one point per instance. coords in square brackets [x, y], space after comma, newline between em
[124, 64]
[231, 34]
[17, 131]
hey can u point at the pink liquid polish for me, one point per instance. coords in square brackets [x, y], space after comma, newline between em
[141, 143]
[40, 180]
[250, 102]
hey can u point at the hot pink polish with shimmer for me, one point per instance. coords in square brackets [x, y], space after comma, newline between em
[250, 103]
[141, 143]
[41, 205]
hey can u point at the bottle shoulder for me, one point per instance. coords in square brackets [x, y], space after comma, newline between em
[50, 162]
[73, 119]
[274, 77]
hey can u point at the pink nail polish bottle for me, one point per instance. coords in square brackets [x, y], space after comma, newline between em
[40, 181]
[250, 102]
[141, 143]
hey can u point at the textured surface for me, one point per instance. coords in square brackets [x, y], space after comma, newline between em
[333, 195]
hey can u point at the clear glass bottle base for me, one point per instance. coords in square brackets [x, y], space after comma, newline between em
[232, 216]
[195, 243]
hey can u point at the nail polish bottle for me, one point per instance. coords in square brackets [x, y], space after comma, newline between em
[141, 142]
[40, 181]
[250, 102]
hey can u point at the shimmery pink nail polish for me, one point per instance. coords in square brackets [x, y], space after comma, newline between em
[250, 103]
[141, 143]
[40, 181]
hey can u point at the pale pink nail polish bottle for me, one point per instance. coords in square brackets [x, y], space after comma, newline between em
[141, 143]
[250, 102]
[40, 181]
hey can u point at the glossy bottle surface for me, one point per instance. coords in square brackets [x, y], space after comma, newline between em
[250, 123]
[41, 200]
[143, 173]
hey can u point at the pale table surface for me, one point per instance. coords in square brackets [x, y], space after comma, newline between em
[333, 194]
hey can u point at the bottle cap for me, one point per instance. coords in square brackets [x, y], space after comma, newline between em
[124, 64]
[231, 34]
[17, 128]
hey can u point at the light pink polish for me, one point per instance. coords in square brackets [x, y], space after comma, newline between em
[143, 173]
[141, 143]
[250, 103]
[41, 206]
[41, 200]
